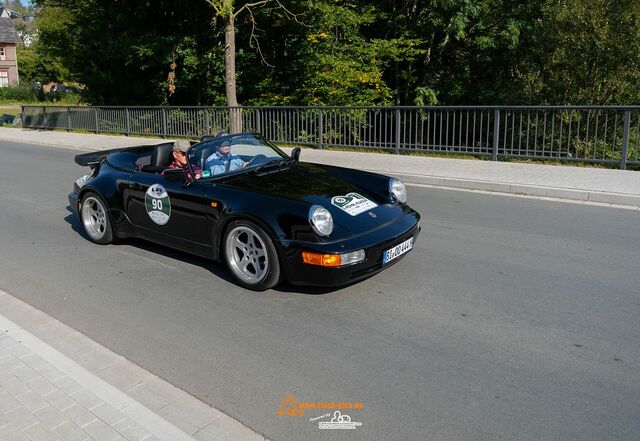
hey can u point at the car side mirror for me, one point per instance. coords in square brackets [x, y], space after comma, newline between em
[295, 154]
[174, 175]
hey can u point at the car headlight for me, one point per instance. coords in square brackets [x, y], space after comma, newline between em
[321, 220]
[397, 190]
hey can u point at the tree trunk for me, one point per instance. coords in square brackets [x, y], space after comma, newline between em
[235, 113]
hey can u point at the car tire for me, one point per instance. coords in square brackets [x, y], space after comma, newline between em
[251, 256]
[94, 217]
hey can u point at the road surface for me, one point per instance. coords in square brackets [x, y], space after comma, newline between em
[511, 319]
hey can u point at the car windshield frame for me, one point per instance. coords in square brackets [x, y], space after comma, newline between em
[235, 137]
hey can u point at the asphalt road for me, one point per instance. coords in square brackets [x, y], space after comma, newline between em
[511, 319]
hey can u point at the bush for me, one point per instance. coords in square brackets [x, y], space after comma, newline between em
[67, 97]
[24, 92]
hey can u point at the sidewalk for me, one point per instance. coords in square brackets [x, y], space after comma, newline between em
[57, 384]
[605, 186]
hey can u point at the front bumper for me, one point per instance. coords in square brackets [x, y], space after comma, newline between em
[374, 244]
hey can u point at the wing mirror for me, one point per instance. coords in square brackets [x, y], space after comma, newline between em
[295, 154]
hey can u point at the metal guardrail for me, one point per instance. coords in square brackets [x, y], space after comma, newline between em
[598, 134]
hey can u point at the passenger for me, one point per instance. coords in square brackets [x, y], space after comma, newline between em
[222, 161]
[179, 156]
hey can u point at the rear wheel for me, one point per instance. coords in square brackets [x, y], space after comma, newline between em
[251, 256]
[95, 219]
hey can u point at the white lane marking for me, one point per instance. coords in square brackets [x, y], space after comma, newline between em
[526, 196]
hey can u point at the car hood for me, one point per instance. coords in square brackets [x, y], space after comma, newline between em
[355, 209]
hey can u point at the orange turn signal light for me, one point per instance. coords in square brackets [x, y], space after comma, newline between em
[321, 259]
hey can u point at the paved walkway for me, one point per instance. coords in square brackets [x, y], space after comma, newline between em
[584, 184]
[57, 384]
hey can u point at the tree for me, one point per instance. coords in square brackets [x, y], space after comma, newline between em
[332, 59]
[340, 66]
[227, 10]
[346, 52]
[585, 52]
[122, 53]
[38, 61]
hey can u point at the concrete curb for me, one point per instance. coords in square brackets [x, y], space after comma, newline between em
[164, 411]
[521, 189]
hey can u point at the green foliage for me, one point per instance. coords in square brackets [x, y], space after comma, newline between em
[122, 53]
[343, 52]
[21, 8]
[31, 92]
[37, 66]
[588, 52]
[341, 66]
[24, 92]
[222, 7]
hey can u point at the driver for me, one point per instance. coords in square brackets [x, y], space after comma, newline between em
[222, 161]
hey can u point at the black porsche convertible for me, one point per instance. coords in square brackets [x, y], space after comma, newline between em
[242, 200]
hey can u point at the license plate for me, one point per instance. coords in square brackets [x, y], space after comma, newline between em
[397, 251]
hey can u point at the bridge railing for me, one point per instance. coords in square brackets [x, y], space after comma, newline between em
[598, 134]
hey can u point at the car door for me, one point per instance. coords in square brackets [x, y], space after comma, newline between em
[169, 211]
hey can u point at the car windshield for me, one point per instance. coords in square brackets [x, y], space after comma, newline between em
[232, 154]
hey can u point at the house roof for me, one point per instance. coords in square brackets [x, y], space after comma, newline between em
[9, 13]
[7, 31]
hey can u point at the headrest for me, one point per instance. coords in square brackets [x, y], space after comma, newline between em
[161, 156]
[205, 153]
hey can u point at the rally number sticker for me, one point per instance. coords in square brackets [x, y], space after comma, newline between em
[353, 203]
[157, 203]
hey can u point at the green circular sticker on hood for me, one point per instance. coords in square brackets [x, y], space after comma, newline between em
[157, 203]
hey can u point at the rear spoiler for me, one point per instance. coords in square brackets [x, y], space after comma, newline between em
[93, 158]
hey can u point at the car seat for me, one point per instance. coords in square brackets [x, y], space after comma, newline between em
[160, 159]
[161, 156]
[205, 153]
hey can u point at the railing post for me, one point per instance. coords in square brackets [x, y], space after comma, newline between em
[68, 119]
[164, 122]
[496, 134]
[258, 122]
[320, 129]
[207, 122]
[398, 127]
[128, 118]
[22, 116]
[625, 140]
[44, 117]
[95, 114]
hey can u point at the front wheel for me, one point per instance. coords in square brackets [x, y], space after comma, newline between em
[95, 219]
[251, 256]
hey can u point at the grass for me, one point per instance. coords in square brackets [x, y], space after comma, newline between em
[13, 107]
[10, 109]
[15, 104]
